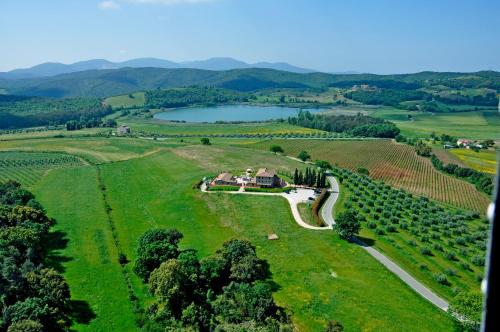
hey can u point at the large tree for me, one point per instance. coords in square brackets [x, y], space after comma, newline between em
[155, 247]
[347, 224]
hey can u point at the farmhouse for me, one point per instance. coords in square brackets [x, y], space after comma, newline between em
[267, 178]
[123, 130]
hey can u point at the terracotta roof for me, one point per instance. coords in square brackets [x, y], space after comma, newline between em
[227, 177]
[264, 172]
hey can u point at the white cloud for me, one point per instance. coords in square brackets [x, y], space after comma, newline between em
[109, 5]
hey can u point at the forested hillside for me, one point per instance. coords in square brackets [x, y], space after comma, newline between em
[101, 83]
[19, 111]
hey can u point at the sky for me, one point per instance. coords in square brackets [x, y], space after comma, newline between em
[376, 36]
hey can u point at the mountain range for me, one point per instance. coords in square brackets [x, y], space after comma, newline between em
[54, 68]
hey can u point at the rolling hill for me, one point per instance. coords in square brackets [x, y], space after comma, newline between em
[222, 63]
[108, 82]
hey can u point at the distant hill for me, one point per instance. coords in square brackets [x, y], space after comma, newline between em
[109, 82]
[53, 68]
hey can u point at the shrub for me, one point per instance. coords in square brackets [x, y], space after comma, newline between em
[449, 255]
[437, 247]
[372, 225]
[450, 272]
[412, 243]
[460, 241]
[477, 260]
[379, 231]
[391, 229]
[426, 251]
[465, 266]
[424, 267]
[441, 278]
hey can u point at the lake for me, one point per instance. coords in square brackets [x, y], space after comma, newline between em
[228, 113]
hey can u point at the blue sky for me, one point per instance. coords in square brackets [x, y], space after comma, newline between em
[378, 36]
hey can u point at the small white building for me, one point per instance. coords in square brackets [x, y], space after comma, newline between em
[123, 130]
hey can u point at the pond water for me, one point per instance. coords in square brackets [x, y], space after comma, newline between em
[245, 113]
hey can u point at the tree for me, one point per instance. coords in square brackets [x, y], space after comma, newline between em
[364, 171]
[468, 305]
[205, 141]
[347, 224]
[296, 177]
[323, 164]
[25, 326]
[334, 326]
[304, 156]
[276, 149]
[167, 284]
[155, 247]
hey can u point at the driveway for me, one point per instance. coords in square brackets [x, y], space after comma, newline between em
[327, 208]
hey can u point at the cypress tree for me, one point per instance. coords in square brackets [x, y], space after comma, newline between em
[296, 177]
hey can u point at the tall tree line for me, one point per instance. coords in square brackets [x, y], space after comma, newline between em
[310, 178]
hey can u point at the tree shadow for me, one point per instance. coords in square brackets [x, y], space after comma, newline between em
[81, 312]
[363, 241]
[56, 241]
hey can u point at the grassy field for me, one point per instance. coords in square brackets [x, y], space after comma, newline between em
[396, 164]
[149, 184]
[483, 161]
[153, 126]
[306, 213]
[474, 125]
[137, 100]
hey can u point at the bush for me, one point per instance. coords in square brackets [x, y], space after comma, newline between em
[412, 243]
[442, 279]
[450, 272]
[477, 260]
[449, 255]
[426, 251]
[372, 225]
[224, 188]
[379, 231]
[391, 229]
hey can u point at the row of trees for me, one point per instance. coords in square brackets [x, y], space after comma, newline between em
[33, 297]
[357, 125]
[90, 123]
[226, 291]
[310, 178]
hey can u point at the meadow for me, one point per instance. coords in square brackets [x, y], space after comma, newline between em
[131, 100]
[148, 184]
[396, 164]
[483, 160]
[480, 124]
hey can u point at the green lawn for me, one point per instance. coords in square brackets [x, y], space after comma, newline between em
[320, 277]
[306, 213]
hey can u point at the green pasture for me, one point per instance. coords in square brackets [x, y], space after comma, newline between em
[473, 125]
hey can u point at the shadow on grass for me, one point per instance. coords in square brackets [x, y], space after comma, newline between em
[365, 240]
[56, 241]
[81, 312]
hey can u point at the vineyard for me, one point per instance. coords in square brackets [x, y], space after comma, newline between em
[29, 167]
[396, 164]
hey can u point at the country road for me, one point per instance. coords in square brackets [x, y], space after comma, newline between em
[327, 208]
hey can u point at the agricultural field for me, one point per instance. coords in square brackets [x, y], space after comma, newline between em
[441, 246]
[29, 167]
[480, 124]
[151, 186]
[136, 99]
[483, 160]
[396, 164]
[153, 126]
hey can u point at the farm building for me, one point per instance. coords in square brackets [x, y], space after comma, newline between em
[225, 179]
[267, 178]
[123, 130]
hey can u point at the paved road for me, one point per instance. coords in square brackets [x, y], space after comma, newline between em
[327, 208]
[403, 275]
